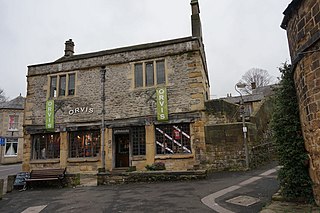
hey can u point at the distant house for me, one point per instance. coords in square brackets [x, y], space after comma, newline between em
[252, 101]
[11, 130]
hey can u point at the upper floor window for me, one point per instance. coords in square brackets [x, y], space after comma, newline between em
[13, 122]
[150, 73]
[62, 85]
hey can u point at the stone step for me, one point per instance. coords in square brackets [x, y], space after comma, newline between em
[88, 180]
[121, 170]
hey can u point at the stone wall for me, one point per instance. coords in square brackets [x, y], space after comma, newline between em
[186, 85]
[224, 136]
[225, 146]
[302, 23]
[220, 111]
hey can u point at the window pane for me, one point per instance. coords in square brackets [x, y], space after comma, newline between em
[149, 74]
[46, 146]
[71, 84]
[173, 139]
[62, 83]
[53, 86]
[161, 78]
[11, 147]
[13, 122]
[84, 144]
[138, 77]
[138, 140]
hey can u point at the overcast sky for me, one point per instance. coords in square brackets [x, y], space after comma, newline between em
[238, 34]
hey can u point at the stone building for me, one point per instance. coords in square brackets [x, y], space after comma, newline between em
[302, 23]
[11, 130]
[252, 101]
[123, 107]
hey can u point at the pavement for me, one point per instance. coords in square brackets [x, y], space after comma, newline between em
[246, 192]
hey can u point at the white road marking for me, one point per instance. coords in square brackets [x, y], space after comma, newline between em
[34, 209]
[210, 199]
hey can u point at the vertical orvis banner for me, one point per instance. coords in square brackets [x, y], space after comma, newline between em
[50, 114]
[162, 104]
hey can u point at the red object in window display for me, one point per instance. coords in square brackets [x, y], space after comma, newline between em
[176, 134]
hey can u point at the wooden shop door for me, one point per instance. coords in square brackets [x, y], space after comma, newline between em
[122, 142]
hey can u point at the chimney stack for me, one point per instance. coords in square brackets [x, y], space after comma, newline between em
[195, 19]
[69, 48]
[253, 85]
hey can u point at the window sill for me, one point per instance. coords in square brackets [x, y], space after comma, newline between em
[139, 157]
[11, 156]
[81, 160]
[174, 156]
[45, 161]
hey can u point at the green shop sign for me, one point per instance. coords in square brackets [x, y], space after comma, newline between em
[162, 104]
[50, 114]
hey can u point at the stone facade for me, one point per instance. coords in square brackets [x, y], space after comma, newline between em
[224, 137]
[302, 23]
[128, 109]
[11, 130]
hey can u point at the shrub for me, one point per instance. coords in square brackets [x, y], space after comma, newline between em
[156, 166]
[294, 178]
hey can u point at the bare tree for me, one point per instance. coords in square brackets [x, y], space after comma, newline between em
[257, 77]
[3, 97]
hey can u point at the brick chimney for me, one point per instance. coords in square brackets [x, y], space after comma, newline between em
[195, 19]
[69, 48]
[253, 85]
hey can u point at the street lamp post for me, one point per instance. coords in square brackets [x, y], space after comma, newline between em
[244, 128]
[103, 112]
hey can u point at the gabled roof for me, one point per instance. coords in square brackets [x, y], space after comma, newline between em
[120, 50]
[258, 94]
[16, 103]
[292, 7]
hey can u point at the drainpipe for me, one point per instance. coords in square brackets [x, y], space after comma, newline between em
[103, 112]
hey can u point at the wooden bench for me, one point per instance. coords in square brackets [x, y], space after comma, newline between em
[47, 175]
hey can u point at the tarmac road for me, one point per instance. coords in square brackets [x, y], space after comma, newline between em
[10, 169]
[151, 197]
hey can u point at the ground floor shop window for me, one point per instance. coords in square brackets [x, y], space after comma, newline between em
[84, 144]
[11, 147]
[138, 140]
[46, 146]
[173, 138]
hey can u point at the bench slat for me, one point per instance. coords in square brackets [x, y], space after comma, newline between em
[47, 174]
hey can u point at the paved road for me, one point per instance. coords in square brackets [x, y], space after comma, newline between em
[150, 197]
[11, 169]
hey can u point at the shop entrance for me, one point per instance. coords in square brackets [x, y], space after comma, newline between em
[122, 150]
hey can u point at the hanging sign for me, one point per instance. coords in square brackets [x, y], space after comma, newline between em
[50, 114]
[162, 104]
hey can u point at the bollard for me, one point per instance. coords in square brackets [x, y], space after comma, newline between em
[10, 182]
[1, 188]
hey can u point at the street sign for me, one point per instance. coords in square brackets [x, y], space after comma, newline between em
[2, 141]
